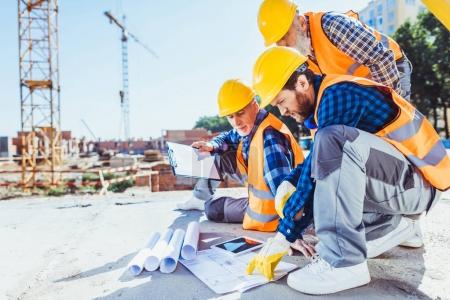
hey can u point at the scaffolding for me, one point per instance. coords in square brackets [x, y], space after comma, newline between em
[39, 92]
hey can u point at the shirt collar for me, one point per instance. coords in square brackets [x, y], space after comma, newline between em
[317, 81]
[309, 121]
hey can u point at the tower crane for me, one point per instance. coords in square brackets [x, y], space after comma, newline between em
[124, 93]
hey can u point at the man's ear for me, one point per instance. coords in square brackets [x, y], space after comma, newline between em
[255, 105]
[302, 84]
[301, 21]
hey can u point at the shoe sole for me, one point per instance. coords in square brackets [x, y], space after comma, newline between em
[412, 244]
[362, 282]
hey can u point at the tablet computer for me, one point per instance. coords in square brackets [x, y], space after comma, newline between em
[239, 245]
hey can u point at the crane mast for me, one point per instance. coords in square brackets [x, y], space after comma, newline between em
[124, 93]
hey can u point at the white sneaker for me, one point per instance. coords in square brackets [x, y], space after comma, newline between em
[319, 277]
[416, 241]
[403, 232]
[192, 204]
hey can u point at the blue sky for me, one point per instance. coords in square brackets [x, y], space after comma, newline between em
[200, 44]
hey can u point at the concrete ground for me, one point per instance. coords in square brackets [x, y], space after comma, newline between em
[79, 247]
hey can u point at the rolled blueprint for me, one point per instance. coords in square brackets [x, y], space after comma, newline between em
[154, 259]
[137, 263]
[172, 253]
[189, 249]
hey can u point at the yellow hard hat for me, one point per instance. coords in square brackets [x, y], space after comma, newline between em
[233, 96]
[272, 70]
[275, 18]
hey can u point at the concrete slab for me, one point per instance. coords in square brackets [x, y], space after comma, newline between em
[79, 247]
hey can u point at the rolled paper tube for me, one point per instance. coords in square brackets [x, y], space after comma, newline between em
[154, 259]
[172, 253]
[189, 249]
[137, 263]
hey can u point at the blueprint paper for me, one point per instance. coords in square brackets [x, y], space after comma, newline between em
[137, 264]
[223, 273]
[189, 249]
[188, 161]
[172, 252]
[154, 259]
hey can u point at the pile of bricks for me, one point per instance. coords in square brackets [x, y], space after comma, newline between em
[162, 179]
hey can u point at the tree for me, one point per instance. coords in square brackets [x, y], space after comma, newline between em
[441, 58]
[426, 43]
[214, 123]
[218, 124]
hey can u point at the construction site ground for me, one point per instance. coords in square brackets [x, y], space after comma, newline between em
[78, 247]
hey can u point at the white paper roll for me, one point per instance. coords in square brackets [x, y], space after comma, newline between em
[189, 249]
[172, 253]
[137, 263]
[154, 259]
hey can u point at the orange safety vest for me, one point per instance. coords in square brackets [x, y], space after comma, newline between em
[410, 132]
[331, 60]
[261, 214]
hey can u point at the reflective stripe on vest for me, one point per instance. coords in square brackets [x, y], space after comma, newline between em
[384, 40]
[434, 156]
[352, 69]
[331, 60]
[260, 193]
[410, 132]
[260, 213]
[262, 218]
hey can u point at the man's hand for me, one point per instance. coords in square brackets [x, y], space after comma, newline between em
[306, 245]
[270, 255]
[203, 146]
[284, 192]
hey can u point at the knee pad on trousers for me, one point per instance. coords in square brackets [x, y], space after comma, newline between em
[214, 210]
[328, 148]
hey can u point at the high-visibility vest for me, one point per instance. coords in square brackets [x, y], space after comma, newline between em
[410, 132]
[331, 60]
[261, 214]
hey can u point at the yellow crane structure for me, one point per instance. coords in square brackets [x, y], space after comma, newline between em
[40, 133]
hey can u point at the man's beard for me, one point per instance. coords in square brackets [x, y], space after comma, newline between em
[303, 44]
[304, 109]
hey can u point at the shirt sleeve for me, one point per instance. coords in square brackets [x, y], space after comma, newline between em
[225, 141]
[302, 198]
[278, 160]
[294, 175]
[358, 42]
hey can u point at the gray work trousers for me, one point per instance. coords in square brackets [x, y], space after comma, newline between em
[404, 68]
[364, 186]
[222, 209]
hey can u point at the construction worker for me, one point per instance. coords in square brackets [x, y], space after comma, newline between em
[336, 43]
[259, 151]
[375, 160]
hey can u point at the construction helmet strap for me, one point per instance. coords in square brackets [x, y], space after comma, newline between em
[302, 68]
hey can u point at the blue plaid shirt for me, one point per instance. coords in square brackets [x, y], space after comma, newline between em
[345, 103]
[279, 160]
[351, 37]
